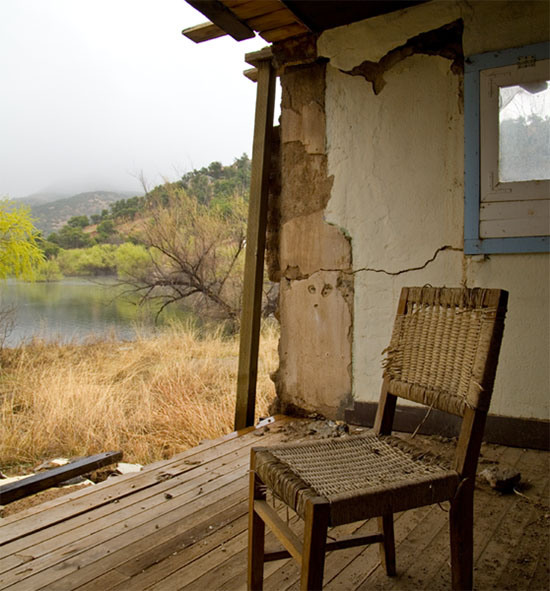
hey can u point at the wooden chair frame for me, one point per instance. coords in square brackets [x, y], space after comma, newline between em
[310, 552]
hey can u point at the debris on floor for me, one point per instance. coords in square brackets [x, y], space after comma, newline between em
[501, 478]
[316, 429]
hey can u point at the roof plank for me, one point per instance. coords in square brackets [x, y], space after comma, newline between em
[252, 8]
[273, 20]
[282, 33]
[203, 32]
[224, 18]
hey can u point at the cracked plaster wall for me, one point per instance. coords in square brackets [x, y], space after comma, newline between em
[315, 307]
[397, 163]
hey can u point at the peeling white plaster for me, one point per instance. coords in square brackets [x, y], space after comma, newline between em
[511, 24]
[372, 39]
[397, 161]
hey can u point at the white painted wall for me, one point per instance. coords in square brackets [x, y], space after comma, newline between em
[397, 160]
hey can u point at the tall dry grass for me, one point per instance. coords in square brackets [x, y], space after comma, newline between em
[150, 398]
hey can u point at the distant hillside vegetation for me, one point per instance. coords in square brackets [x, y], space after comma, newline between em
[50, 217]
[40, 198]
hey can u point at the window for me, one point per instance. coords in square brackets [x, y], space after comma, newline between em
[507, 151]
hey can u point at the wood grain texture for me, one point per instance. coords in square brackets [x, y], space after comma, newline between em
[255, 247]
[201, 539]
[43, 480]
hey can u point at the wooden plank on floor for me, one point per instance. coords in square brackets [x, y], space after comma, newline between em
[43, 480]
[247, 433]
[222, 563]
[197, 538]
[489, 509]
[502, 548]
[541, 575]
[116, 558]
[522, 563]
[419, 572]
[6, 522]
[224, 566]
[412, 546]
[107, 581]
[120, 508]
[116, 551]
[368, 559]
[188, 555]
[220, 466]
[183, 578]
[147, 567]
[138, 509]
[138, 519]
[36, 518]
[87, 554]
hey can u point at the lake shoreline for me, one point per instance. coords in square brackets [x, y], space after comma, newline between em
[75, 309]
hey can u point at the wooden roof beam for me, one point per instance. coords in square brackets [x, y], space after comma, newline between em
[203, 32]
[223, 18]
[255, 57]
[251, 74]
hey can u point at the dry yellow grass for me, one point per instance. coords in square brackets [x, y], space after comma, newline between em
[150, 398]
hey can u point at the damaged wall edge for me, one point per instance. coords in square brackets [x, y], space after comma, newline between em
[445, 42]
[301, 242]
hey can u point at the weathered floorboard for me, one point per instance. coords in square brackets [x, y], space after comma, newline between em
[182, 524]
[43, 480]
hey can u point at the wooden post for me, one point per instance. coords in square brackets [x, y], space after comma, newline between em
[255, 246]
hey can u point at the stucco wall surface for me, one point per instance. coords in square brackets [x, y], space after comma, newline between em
[397, 164]
[315, 305]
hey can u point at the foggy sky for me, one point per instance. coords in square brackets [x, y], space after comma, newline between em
[94, 91]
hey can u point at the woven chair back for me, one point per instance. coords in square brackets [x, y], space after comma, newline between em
[444, 347]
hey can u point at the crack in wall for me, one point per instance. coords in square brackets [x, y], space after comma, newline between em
[294, 274]
[444, 42]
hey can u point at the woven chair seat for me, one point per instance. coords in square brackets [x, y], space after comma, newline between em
[355, 475]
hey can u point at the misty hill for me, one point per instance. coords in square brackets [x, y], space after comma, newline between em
[53, 215]
[214, 186]
[40, 198]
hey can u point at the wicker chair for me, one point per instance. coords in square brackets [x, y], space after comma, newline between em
[443, 353]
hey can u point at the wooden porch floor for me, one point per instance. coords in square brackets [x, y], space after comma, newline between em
[181, 524]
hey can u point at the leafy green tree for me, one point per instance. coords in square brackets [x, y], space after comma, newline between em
[79, 221]
[215, 184]
[70, 237]
[49, 270]
[106, 231]
[50, 249]
[132, 261]
[19, 249]
[97, 260]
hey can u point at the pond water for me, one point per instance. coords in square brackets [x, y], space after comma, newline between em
[74, 310]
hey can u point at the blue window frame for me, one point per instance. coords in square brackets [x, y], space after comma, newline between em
[474, 243]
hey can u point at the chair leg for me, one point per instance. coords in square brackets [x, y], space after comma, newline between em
[461, 521]
[315, 538]
[387, 547]
[256, 537]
